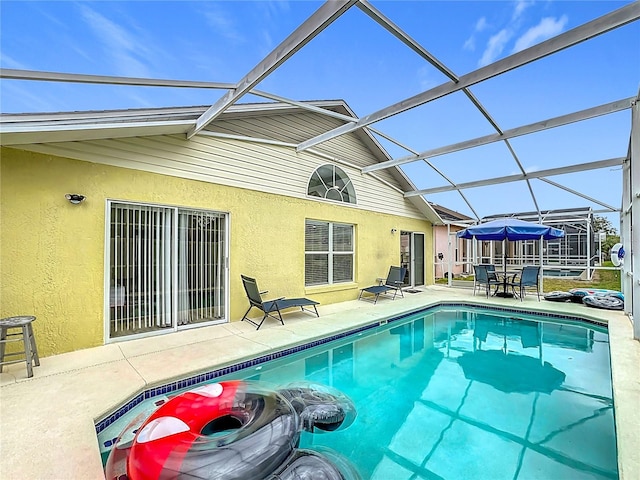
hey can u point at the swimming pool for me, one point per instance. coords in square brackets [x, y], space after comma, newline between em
[433, 398]
[549, 272]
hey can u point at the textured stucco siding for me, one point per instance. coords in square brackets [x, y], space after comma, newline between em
[441, 245]
[52, 253]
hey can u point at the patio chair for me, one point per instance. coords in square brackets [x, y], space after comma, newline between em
[271, 307]
[486, 278]
[394, 282]
[528, 278]
[490, 267]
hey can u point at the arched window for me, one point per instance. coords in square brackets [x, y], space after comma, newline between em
[332, 183]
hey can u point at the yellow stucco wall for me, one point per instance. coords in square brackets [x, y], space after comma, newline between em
[52, 252]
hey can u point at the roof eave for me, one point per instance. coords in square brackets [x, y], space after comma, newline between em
[33, 134]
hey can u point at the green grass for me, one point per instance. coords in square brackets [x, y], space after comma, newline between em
[609, 279]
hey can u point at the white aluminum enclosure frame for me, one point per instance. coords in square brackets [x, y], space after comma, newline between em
[630, 223]
[321, 20]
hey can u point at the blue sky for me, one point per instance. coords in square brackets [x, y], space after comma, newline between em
[356, 60]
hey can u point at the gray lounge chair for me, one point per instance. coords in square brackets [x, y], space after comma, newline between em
[394, 282]
[271, 307]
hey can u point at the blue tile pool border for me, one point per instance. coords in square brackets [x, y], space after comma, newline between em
[219, 372]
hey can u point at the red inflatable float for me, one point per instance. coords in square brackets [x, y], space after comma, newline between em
[171, 431]
[232, 429]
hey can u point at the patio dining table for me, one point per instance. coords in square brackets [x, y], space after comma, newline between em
[504, 276]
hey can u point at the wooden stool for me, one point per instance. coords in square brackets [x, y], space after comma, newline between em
[25, 335]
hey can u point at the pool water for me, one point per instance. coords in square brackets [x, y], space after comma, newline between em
[562, 273]
[463, 394]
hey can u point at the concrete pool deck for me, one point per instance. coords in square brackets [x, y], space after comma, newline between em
[47, 428]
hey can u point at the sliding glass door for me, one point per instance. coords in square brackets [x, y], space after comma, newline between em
[417, 259]
[167, 268]
[412, 257]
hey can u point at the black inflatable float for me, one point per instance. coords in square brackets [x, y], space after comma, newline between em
[558, 296]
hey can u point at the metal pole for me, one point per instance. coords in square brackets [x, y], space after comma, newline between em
[625, 235]
[634, 254]
[600, 248]
[541, 260]
[589, 229]
[449, 256]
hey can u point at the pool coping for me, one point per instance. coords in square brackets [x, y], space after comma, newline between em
[38, 432]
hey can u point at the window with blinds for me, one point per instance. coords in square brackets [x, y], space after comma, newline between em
[329, 253]
[167, 268]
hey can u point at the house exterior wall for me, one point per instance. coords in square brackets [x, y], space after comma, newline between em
[52, 253]
[441, 243]
[297, 127]
[250, 165]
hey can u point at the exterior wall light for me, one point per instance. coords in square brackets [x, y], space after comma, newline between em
[393, 231]
[75, 198]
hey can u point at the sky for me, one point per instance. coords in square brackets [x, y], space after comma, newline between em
[356, 60]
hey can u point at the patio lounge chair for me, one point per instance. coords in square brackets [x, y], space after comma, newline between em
[394, 282]
[271, 307]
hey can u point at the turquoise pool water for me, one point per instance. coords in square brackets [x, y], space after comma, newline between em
[461, 393]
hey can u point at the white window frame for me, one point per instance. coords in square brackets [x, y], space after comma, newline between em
[331, 187]
[331, 253]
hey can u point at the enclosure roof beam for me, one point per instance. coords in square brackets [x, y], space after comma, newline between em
[612, 162]
[16, 74]
[613, 20]
[307, 31]
[586, 197]
[589, 113]
[381, 19]
[416, 47]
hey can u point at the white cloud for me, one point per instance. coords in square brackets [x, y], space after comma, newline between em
[9, 62]
[272, 10]
[495, 46]
[480, 25]
[222, 24]
[520, 7]
[547, 28]
[470, 44]
[110, 32]
[30, 100]
[425, 78]
[123, 47]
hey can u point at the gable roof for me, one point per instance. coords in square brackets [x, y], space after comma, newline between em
[448, 215]
[25, 129]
